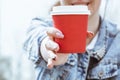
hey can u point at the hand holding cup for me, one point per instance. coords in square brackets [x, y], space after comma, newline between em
[49, 48]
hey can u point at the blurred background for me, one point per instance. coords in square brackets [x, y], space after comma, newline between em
[15, 17]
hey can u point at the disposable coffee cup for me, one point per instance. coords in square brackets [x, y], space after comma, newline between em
[73, 22]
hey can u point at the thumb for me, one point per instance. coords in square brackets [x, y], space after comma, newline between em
[90, 34]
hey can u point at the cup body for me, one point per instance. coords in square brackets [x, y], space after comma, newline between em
[73, 24]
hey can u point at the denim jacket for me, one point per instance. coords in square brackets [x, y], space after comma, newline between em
[78, 66]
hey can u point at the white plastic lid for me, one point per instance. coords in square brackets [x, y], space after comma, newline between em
[78, 9]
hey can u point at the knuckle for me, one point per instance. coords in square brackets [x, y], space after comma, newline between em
[51, 45]
[51, 54]
[51, 30]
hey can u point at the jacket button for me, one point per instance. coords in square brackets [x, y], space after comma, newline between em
[100, 74]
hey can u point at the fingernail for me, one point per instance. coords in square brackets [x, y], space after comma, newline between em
[55, 47]
[59, 34]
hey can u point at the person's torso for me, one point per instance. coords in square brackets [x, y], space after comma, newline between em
[78, 66]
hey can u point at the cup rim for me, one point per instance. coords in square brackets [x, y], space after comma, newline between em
[70, 13]
[78, 9]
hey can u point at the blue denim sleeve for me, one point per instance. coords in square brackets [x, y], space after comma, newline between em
[35, 34]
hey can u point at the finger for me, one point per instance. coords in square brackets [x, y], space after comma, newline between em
[54, 33]
[50, 63]
[90, 34]
[51, 45]
[52, 55]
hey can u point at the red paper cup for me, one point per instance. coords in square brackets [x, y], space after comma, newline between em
[73, 22]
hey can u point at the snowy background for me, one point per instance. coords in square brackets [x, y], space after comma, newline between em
[15, 17]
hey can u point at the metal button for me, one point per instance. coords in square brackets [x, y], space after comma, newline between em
[100, 74]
